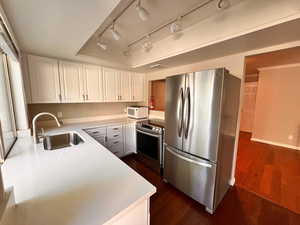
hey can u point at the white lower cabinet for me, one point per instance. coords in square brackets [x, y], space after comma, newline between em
[119, 139]
[129, 138]
[115, 140]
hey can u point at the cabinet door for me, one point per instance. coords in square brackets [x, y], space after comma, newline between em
[72, 82]
[44, 79]
[130, 138]
[111, 83]
[125, 86]
[93, 83]
[138, 87]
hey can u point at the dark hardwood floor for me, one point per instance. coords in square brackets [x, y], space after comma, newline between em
[269, 171]
[239, 207]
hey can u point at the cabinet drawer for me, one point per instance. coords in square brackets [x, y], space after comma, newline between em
[116, 147]
[114, 130]
[96, 131]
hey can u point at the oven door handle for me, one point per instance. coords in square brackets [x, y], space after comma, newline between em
[152, 135]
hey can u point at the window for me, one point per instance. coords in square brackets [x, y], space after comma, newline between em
[7, 120]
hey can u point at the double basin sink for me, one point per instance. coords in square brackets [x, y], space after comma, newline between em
[58, 141]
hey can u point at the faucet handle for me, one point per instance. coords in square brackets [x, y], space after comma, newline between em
[41, 135]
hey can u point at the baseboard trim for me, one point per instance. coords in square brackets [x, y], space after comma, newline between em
[23, 133]
[275, 143]
[232, 181]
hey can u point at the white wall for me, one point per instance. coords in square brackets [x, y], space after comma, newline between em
[278, 121]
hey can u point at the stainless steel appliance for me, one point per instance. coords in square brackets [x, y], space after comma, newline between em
[150, 139]
[137, 112]
[201, 120]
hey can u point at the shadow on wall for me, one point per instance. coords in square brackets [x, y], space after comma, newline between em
[298, 137]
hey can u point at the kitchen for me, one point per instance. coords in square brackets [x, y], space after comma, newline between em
[116, 153]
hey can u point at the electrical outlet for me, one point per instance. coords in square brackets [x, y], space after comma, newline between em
[59, 114]
[290, 137]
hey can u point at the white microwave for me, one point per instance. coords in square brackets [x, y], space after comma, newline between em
[137, 112]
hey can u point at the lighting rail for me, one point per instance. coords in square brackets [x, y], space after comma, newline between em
[170, 22]
[221, 4]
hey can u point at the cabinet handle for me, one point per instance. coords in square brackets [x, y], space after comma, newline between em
[116, 135]
[120, 97]
[60, 98]
[105, 139]
[116, 142]
[87, 97]
[133, 97]
[83, 96]
[116, 128]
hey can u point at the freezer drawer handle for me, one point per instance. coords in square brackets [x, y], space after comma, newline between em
[189, 160]
[180, 113]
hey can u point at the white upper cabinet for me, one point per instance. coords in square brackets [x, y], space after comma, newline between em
[53, 81]
[125, 86]
[93, 78]
[72, 81]
[138, 86]
[111, 83]
[44, 80]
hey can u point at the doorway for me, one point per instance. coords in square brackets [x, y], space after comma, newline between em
[268, 158]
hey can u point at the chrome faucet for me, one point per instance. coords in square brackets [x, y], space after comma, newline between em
[34, 133]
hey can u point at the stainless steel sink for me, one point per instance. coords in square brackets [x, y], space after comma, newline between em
[52, 142]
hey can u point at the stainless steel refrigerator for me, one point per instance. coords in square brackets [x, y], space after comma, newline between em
[201, 120]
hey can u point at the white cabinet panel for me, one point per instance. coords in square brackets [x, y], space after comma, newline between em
[130, 138]
[111, 83]
[93, 83]
[72, 81]
[44, 79]
[125, 86]
[138, 86]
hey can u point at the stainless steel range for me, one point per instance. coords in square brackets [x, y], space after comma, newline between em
[150, 139]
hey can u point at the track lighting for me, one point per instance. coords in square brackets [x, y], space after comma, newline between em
[223, 4]
[143, 13]
[176, 26]
[147, 45]
[102, 45]
[116, 35]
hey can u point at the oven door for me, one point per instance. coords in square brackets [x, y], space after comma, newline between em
[150, 146]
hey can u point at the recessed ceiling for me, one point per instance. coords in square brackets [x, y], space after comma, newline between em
[57, 28]
[256, 40]
[131, 27]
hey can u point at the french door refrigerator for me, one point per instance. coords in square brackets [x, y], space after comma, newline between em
[201, 121]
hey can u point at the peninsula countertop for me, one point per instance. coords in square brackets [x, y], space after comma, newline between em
[79, 185]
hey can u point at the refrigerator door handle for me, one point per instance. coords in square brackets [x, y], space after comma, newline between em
[180, 113]
[188, 159]
[188, 113]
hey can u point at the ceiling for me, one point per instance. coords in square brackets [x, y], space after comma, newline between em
[57, 28]
[276, 58]
[131, 27]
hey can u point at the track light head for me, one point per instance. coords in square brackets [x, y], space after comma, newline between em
[116, 35]
[223, 4]
[142, 12]
[102, 45]
[147, 45]
[176, 26]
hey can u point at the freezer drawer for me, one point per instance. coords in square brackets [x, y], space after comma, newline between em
[193, 176]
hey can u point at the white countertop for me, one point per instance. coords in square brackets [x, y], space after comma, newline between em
[79, 185]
